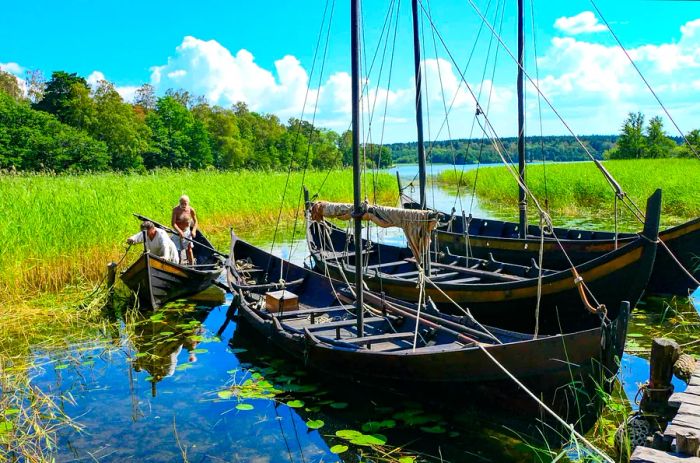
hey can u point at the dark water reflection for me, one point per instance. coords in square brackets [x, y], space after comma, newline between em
[175, 386]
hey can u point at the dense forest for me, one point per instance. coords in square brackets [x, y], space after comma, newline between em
[550, 148]
[66, 125]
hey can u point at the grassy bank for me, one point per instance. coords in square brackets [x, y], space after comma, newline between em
[578, 188]
[62, 230]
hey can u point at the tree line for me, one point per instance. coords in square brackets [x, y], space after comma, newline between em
[640, 141]
[66, 125]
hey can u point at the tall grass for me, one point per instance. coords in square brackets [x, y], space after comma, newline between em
[574, 189]
[62, 230]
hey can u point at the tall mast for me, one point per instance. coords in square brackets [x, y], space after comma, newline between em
[356, 172]
[419, 104]
[522, 197]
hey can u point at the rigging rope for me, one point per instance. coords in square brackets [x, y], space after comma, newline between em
[658, 100]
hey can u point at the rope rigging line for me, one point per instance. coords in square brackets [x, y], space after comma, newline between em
[658, 100]
[539, 104]
[570, 427]
[298, 133]
[310, 141]
[609, 178]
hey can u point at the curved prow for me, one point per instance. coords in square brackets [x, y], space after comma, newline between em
[653, 216]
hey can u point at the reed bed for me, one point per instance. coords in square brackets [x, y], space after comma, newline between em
[576, 189]
[62, 230]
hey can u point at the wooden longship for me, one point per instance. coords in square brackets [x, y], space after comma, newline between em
[495, 292]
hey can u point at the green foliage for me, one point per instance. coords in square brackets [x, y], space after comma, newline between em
[550, 148]
[41, 142]
[634, 143]
[10, 86]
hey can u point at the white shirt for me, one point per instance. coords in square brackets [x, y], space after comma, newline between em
[161, 245]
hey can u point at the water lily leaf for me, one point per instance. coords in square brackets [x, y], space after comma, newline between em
[315, 424]
[407, 459]
[141, 354]
[156, 317]
[226, 394]
[348, 433]
[62, 366]
[244, 407]
[295, 403]
[200, 351]
[197, 338]
[339, 405]
[369, 439]
[6, 426]
[11, 411]
[184, 366]
[148, 378]
[339, 449]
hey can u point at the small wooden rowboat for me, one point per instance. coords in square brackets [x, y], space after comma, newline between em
[404, 348]
[156, 281]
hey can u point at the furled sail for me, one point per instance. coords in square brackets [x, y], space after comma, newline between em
[416, 224]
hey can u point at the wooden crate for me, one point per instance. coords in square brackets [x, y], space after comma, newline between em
[281, 301]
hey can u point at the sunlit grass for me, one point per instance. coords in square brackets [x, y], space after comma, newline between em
[62, 230]
[577, 189]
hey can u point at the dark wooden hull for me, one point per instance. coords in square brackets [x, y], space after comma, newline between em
[156, 281]
[544, 365]
[500, 239]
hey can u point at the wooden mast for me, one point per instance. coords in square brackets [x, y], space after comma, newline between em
[419, 104]
[356, 171]
[522, 197]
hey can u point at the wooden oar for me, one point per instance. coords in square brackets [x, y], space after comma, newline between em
[170, 230]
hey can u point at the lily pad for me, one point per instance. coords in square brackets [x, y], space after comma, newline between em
[437, 429]
[348, 433]
[339, 405]
[369, 440]
[407, 459]
[6, 426]
[374, 426]
[339, 448]
[225, 394]
[244, 407]
[315, 424]
[295, 403]
[200, 351]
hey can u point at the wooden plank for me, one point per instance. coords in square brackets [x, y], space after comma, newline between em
[690, 421]
[340, 324]
[378, 337]
[694, 390]
[679, 398]
[476, 272]
[301, 312]
[673, 429]
[649, 455]
[689, 409]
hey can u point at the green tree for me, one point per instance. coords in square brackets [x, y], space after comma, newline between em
[117, 125]
[146, 97]
[658, 144]
[692, 147]
[36, 84]
[67, 96]
[10, 85]
[631, 144]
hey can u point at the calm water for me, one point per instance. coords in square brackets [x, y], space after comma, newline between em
[187, 384]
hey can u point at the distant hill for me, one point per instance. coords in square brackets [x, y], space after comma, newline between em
[551, 148]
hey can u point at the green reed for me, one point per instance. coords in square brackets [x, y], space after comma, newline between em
[60, 230]
[573, 189]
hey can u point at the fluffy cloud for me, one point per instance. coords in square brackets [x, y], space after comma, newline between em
[127, 92]
[583, 22]
[12, 68]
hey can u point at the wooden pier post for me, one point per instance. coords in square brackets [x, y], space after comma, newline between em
[111, 279]
[664, 353]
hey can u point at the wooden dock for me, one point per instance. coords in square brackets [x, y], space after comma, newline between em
[682, 435]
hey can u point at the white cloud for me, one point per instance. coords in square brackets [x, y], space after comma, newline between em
[583, 22]
[127, 92]
[12, 68]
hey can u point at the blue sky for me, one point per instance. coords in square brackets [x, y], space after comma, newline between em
[262, 52]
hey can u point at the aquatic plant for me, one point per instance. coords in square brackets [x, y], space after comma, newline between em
[62, 230]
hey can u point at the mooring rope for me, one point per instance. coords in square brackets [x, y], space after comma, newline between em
[569, 426]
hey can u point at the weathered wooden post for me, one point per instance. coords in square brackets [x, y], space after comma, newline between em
[111, 279]
[688, 443]
[664, 353]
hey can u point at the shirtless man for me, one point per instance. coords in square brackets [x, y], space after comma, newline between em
[184, 222]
